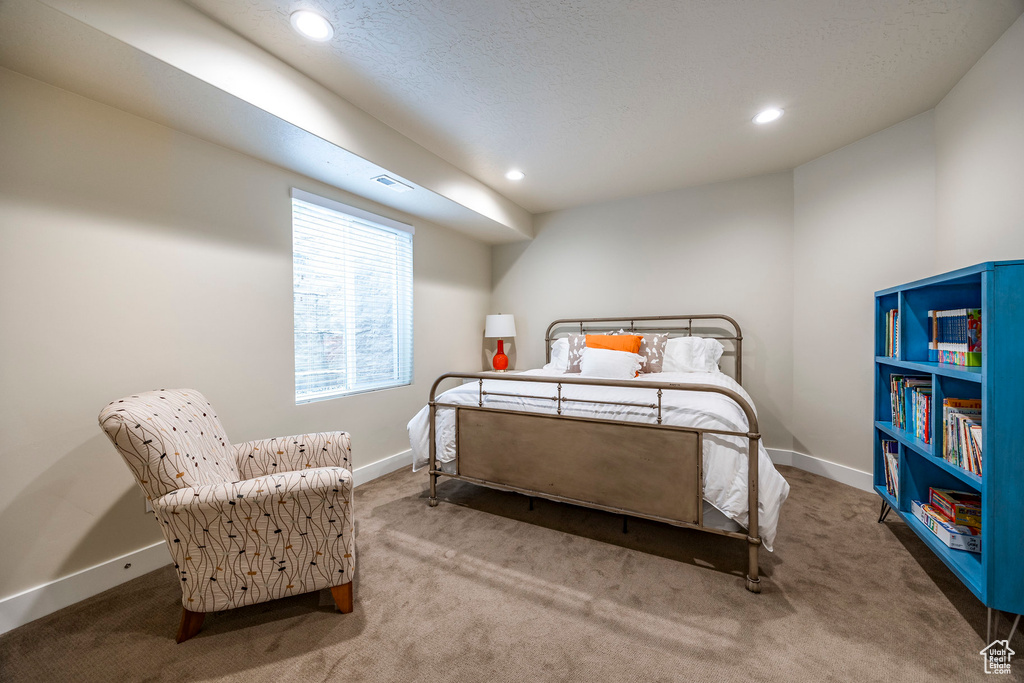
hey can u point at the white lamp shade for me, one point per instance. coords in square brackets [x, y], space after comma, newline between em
[500, 326]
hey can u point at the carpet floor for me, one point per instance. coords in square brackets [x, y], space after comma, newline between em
[481, 589]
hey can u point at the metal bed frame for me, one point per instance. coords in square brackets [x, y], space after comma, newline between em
[591, 461]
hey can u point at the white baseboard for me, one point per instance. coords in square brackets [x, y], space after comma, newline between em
[33, 603]
[361, 475]
[830, 470]
[42, 600]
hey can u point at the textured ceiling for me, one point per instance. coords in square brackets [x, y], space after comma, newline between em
[599, 99]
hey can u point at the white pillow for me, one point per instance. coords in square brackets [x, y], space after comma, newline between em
[692, 354]
[713, 351]
[679, 355]
[559, 355]
[609, 364]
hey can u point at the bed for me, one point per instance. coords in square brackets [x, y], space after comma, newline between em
[681, 448]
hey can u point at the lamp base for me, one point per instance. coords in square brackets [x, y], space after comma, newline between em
[500, 362]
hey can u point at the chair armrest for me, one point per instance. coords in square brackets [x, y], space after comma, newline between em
[290, 453]
[262, 492]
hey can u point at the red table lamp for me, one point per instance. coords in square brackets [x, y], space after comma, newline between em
[500, 326]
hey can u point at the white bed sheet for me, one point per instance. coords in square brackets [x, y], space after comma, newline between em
[725, 457]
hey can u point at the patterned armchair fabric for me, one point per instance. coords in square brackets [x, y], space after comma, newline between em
[245, 523]
[288, 453]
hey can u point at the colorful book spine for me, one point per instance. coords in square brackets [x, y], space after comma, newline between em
[891, 456]
[962, 433]
[912, 405]
[954, 336]
[959, 507]
[892, 333]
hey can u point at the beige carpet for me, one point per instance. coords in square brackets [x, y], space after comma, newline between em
[480, 589]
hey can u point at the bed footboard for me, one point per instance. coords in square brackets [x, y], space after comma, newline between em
[649, 470]
[612, 466]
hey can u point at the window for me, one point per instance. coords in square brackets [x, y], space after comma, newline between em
[352, 274]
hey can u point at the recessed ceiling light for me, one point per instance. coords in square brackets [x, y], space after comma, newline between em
[768, 115]
[515, 174]
[312, 25]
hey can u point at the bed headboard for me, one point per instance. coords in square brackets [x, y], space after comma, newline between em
[721, 327]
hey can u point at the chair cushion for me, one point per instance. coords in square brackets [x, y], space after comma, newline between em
[170, 439]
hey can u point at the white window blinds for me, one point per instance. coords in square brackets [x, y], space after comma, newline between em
[352, 274]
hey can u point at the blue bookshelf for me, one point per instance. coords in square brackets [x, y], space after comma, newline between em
[996, 575]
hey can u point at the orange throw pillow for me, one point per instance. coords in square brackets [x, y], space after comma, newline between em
[615, 342]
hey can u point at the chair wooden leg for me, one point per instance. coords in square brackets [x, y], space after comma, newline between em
[191, 622]
[343, 597]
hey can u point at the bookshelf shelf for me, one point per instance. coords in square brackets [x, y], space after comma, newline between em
[905, 438]
[971, 479]
[924, 450]
[997, 289]
[942, 369]
[966, 566]
[880, 490]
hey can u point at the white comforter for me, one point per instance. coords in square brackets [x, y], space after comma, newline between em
[725, 457]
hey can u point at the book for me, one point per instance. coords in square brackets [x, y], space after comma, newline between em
[955, 536]
[892, 333]
[954, 336]
[962, 433]
[891, 456]
[975, 444]
[958, 507]
[911, 402]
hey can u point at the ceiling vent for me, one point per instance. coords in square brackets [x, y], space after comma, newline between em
[395, 185]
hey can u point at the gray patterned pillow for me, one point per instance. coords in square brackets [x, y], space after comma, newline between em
[652, 352]
[577, 343]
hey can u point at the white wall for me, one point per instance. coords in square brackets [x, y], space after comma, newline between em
[134, 257]
[979, 136]
[722, 248]
[864, 220]
[938, 192]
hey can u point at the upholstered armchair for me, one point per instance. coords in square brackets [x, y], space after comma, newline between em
[245, 523]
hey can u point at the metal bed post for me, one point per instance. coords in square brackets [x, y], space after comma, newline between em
[432, 501]
[753, 535]
[739, 355]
